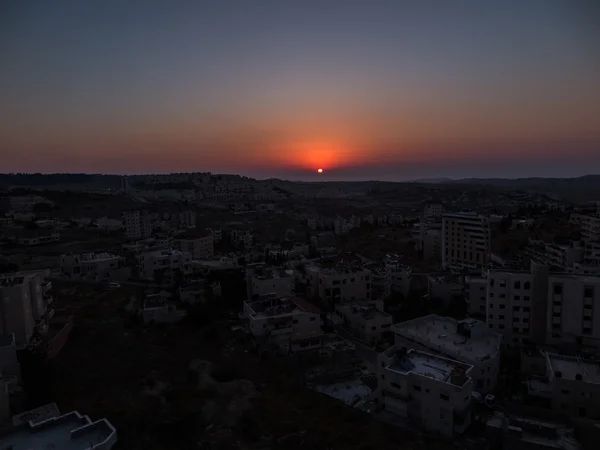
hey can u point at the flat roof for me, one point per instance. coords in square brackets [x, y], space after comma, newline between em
[68, 432]
[281, 306]
[428, 365]
[443, 335]
[569, 367]
[37, 415]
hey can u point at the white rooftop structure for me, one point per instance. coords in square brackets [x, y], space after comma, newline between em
[70, 431]
[469, 339]
[430, 366]
[574, 368]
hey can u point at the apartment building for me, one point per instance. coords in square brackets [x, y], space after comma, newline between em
[242, 237]
[365, 321]
[94, 266]
[510, 306]
[138, 224]
[469, 341]
[200, 243]
[286, 325]
[568, 385]
[590, 227]
[381, 280]
[466, 240]
[339, 284]
[400, 275]
[433, 211]
[476, 295]
[24, 300]
[432, 391]
[540, 306]
[71, 431]
[573, 310]
[262, 281]
[163, 264]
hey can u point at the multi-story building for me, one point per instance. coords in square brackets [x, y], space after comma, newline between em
[590, 227]
[400, 275]
[94, 266]
[573, 310]
[242, 237]
[344, 283]
[24, 301]
[569, 385]
[365, 320]
[544, 307]
[476, 295]
[199, 243]
[68, 431]
[381, 280]
[466, 240]
[433, 211]
[286, 325]
[469, 341]
[138, 224]
[262, 281]
[187, 218]
[430, 390]
[163, 264]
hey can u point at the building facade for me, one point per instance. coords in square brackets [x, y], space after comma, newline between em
[138, 224]
[466, 240]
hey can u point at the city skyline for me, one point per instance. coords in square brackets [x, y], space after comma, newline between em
[366, 90]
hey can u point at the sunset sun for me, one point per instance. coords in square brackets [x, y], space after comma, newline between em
[320, 170]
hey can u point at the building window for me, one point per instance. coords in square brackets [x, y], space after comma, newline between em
[558, 289]
[526, 298]
[502, 306]
[527, 285]
[416, 388]
[516, 308]
[445, 397]
[501, 327]
[588, 292]
[396, 385]
[517, 285]
[312, 319]
[517, 297]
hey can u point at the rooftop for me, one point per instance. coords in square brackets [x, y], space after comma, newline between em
[280, 306]
[574, 368]
[268, 273]
[469, 339]
[71, 431]
[430, 366]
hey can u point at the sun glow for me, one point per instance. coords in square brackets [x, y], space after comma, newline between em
[320, 170]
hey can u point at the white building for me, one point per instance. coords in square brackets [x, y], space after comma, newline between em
[137, 224]
[287, 324]
[466, 240]
[570, 386]
[544, 307]
[469, 341]
[400, 275]
[432, 391]
[199, 243]
[263, 281]
[242, 237]
[365, 320]
[433, 211]
[476, 295]
[344, 283]
[70, 431]
[165, 262]
[94, 266]
[25, 297]
[157, 309]
[573, 310]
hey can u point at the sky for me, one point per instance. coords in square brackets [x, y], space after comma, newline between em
[365, 89]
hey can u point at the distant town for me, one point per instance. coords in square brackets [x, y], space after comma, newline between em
[210, 311]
